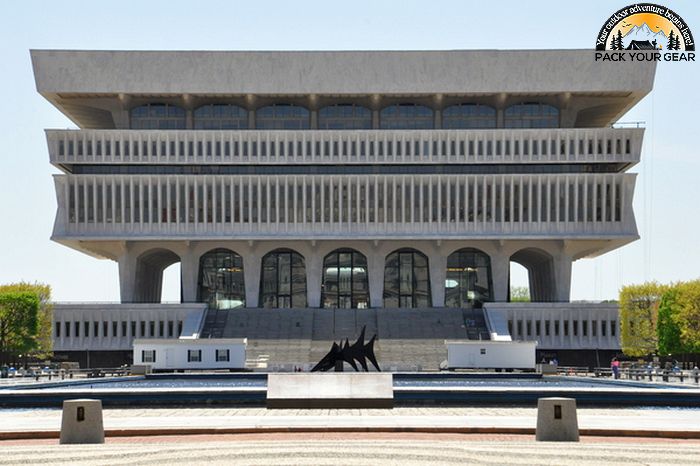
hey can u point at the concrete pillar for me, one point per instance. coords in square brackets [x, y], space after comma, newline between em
[251, 119]
[251, 273]
[438, 275]
[314, 119]
[437, 120]
[375, 264]
[562, 278]
[314, 276]
[81, 422]
[557, 420]
[189, 271]
[500, 271]
[375, 119]
[127, 275]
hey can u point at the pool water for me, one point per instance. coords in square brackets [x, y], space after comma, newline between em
[234, 382]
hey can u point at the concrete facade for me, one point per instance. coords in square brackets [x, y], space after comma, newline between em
[529, 171]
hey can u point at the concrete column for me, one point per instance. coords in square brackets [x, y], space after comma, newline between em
[500, 271]
[314, 276]
[251, 273]
[251, 119]
[438, 275]
[127, 275]
[375, 119]
[314, 119]
[375, 264]
[437, 120]
[562, 278]
[189, 271]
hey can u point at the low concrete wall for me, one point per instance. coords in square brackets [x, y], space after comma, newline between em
[491, 354]
[330, 390]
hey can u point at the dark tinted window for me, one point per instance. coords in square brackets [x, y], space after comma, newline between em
[469, 116]
[531, 115]
[282, 116]
[158, 116]
[221, 116]
[345, 116]
[406, 116]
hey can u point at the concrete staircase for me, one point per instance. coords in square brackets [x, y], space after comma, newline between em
[407, 339]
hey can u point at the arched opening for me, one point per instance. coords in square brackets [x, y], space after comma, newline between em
[282, 116]
[469, 116]
[283, 280]
[158, 116]
[345, 116]
[220, 116]
[468, 282]
[518, 284]
[406, 116]
[540, 270]
[149, 274]
[172, 284]
[345, 284]
[220, 283]
[406, 279]
[531, 115]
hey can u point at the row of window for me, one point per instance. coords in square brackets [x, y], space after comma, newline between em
[345, 282]
[116, 329]
[343, 116]
[546, 328]
[316, 199]
[193, 355]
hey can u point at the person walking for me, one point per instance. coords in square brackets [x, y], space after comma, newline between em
[615, 366]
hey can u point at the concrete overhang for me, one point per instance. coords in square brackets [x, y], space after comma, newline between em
[85, 85]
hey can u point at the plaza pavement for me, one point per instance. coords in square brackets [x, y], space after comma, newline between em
[400, 436]
[354, 450]
[670, 422]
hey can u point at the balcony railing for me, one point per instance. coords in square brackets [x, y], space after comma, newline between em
[600, 145]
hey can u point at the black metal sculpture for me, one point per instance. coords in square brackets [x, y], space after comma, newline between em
[358, 351]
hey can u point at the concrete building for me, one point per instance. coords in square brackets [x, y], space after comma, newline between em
[343, 184]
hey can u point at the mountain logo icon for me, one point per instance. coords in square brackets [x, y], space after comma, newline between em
[645, 26]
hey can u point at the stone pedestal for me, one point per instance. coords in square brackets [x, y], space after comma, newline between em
[82, 422]
[556, 420]
[330, 390]
[547, 369]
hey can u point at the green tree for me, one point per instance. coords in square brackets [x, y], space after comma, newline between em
[519, 294]
[43, 348]
[667, 328]
[18, 323]
[638, 316]
[688, 315]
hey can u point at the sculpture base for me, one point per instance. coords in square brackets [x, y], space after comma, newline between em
[330, 390]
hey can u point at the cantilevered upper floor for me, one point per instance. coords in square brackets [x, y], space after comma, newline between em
[375, 89]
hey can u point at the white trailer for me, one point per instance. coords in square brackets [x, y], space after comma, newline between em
[179, 354]
[470, 354]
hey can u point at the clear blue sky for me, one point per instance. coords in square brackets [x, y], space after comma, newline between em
[668, 189]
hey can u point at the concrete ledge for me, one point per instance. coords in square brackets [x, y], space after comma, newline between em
[330, 390]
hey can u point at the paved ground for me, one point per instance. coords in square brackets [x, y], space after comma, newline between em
[355, 450]
[651, 419]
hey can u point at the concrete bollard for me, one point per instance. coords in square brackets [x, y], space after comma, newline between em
[82, 422]
[556, 420]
